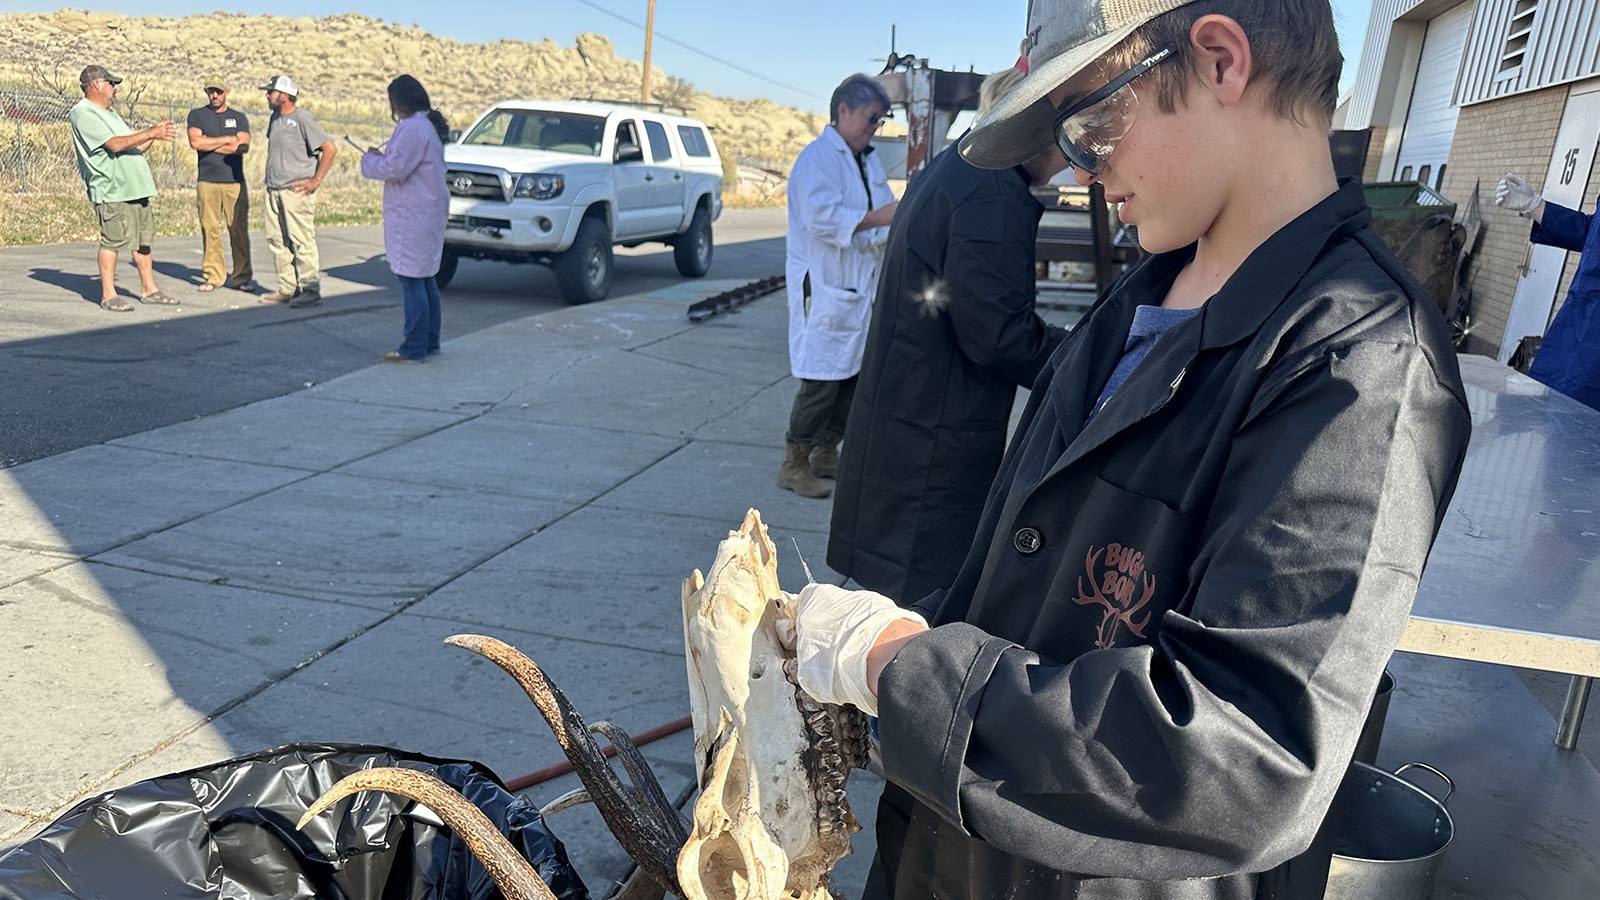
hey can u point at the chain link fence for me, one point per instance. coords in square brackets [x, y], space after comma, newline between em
[39, 176]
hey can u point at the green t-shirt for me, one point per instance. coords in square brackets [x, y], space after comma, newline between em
[109, 177]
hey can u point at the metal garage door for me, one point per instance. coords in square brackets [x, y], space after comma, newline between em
[1431, 119]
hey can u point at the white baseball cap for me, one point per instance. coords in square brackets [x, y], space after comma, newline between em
[1063, 37]
[282, 84]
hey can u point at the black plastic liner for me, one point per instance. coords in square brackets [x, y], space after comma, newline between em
[226, 832]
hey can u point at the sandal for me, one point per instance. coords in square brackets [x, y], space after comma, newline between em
[249, 287]
[116, 304]
[206, 287]
[158, 298]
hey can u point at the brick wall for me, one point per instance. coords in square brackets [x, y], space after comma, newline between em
[1516, 134]
[1374, 154]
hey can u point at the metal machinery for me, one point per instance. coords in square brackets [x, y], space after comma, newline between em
[1077, 227]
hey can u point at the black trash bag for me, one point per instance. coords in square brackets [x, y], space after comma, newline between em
[226, 832]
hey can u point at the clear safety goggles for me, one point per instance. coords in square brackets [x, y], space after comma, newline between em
[1088, 130]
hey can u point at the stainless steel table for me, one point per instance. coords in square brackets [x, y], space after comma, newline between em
[1514, 577]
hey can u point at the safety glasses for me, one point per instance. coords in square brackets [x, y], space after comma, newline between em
[1087, 131]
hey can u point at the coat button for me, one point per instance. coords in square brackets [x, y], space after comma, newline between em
[1027, 541]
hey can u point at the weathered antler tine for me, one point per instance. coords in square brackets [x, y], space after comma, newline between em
[644, 779]
[630, 820]
[514, 876]
[572, 798]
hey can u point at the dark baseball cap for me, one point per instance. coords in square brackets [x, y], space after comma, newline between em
[91, 74]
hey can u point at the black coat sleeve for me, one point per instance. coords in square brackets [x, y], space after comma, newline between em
[989, 272]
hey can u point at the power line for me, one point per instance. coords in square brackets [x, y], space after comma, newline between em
[695, 50]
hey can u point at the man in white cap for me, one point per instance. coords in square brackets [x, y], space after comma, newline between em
[117, 177]
[1148, 677]
[299, 155]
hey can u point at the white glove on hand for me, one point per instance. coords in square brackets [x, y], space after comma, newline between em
[834, 631]
[1516, 195]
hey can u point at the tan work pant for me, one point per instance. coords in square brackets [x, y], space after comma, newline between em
[292, 235]
[224, 207]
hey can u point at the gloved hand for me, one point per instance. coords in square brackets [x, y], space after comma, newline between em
[834, 631]
[1516, 195]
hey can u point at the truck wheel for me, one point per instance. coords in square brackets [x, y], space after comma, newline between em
[584, 271]
[692, 251]
[447, 269]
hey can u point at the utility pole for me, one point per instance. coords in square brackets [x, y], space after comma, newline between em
[649, 31]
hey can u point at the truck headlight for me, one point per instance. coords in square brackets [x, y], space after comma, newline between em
[538, 186]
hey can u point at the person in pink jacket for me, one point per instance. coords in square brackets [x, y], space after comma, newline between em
[415, 206]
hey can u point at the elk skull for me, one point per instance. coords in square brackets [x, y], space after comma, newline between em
[772, 818]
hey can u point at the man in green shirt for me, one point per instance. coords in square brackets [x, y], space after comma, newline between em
[111, 161]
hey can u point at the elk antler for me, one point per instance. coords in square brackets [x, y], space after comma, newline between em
[514, 876]
[642, 820]
[1127, 615]
[1096, 598]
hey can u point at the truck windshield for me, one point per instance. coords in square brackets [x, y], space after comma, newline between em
[540, 130]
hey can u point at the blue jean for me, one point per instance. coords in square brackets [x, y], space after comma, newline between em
[421, 299]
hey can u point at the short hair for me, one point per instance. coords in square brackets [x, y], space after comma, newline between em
[997, 85]
[1294, 50]
[855, 92]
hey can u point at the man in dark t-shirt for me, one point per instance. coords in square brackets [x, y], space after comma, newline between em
[221, 137]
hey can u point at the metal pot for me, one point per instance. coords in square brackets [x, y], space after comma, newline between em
[1388, 835]
[1372, 729]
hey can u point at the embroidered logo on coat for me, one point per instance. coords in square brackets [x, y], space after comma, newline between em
[1112, 584]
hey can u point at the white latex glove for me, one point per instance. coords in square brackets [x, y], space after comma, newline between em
[1516, 195]
[834, 631]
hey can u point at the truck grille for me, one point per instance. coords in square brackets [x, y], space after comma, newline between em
[465, 183]
[474, 223]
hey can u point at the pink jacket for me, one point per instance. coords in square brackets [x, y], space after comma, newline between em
[415, 199]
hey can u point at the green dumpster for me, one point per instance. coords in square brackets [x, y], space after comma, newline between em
[1398, 207]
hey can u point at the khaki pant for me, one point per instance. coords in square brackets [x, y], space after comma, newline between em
[292, 235]
[224, 207]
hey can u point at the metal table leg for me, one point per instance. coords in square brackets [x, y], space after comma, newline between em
[1572, 712]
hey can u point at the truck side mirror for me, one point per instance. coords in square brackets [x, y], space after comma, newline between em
[453, 136]
[629, 153]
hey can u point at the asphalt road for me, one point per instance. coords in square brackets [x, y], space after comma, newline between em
[76, 375]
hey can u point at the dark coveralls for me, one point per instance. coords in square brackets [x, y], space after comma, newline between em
[1569, 358]
[953, 334]
[1148, 678]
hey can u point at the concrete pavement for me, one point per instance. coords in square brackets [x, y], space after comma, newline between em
[285, 571]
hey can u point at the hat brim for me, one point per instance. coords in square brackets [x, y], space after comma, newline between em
[1021, 125]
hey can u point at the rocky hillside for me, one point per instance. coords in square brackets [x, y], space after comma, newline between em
[343, 63]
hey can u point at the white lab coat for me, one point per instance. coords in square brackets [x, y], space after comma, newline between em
[826, 202]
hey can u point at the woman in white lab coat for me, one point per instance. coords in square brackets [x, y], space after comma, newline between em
[840, 207]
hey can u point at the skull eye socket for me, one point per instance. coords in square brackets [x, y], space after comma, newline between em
[758, 669]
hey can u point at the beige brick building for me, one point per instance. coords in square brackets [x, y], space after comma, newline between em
[1459, 93]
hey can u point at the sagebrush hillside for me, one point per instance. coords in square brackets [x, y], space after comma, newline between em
[342, 64]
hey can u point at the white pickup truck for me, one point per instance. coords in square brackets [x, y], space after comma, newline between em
[560, 182]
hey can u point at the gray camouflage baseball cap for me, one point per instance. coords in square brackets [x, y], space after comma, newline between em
[1063, 37]
[93, 73]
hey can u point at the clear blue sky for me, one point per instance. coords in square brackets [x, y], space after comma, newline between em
[793, 53]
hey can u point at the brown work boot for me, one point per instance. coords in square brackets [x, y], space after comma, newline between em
[825, 459]
[796, 473]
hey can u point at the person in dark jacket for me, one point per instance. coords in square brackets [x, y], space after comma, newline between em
[953, 334]
[1148, 678]
[1569, 358]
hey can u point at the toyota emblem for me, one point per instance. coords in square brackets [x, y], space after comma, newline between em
[462, 185]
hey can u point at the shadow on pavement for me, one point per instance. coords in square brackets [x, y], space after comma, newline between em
[85, 286]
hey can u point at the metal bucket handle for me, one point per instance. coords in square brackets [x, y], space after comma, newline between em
[1421, 765]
